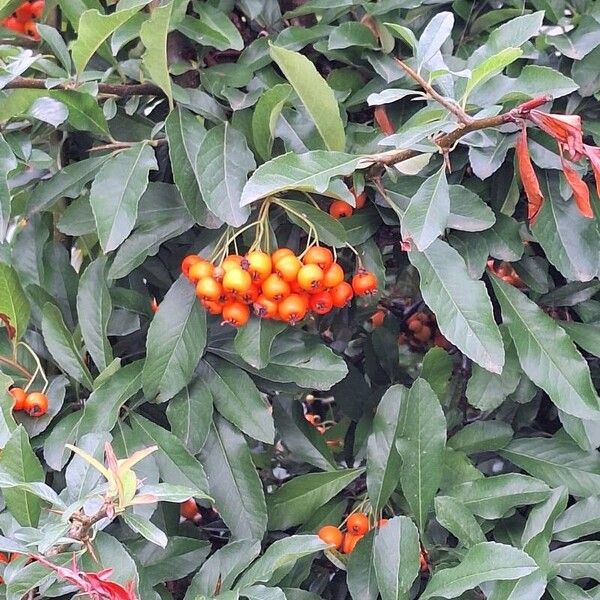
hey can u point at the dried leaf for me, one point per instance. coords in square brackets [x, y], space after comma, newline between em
[566, 129]
[382, 119]
[528, 177]
[580, 190]
[593, 154]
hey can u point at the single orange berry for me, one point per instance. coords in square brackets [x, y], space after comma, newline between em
[280, 253]
[233, 261]
[364, 283]
[200, 269]
[19, 395]
[310, 277]
[25, 12]
[265, 308]
[358, 523]
[237, 280]
[331, 535]
[212, 307]
[236, 314]
[414, 325]
[342, 294]
[275, 288]
[287, 267]
[424, 335]
[189, 510]
[340, 209]
[209, 289]
[321, 303]
[36, 404]
[361, 199]
[292, 309]
[333, 276]
[259, 265]
[188, 261]
[318, 255]
[250, 295]
[350, 541]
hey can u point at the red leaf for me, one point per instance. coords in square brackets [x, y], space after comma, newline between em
[382, 119]
[566, 129]
[10, 330]
[580, 190]
[593, 154]
[528, 177]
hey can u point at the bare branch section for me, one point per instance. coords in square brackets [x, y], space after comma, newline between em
[122, 90]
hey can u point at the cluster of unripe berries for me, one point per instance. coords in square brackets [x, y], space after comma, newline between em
[278, 286]
[339, 209]
[34, 404]
[357, 525]
[421, 330]
[23, 19]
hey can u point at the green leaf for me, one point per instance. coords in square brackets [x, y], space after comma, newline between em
[427, 214]
[315, 94]
[468, 212]
[396, 558]
[546, 353]
[557, 462]
[8, 162]
[237, 399]
[19, 462]
[153, 34]
[265, 115]
[7, 421]
[383, 460]
[579, 520]
[145, 528]
[212, 28]
[295, 501]
[308, 172]
[94, 308]
[62, 346]
[361, 578]
[175, 463]
[436, 32]
[577, 561]
[253, 341]
[279, 559]
[175, 342]
[222, 166]
[585, 335]
[351, 34]
[116, 192]
[461, 305]
[481, 436]
[493, 497]
[13, 302]
[454, 516]
[94, 28]
[30, 576]
[560, 589]
[421, 445]
[490, 67]
[483, 562]
[234, 483]
[436, 370]
[190, 415]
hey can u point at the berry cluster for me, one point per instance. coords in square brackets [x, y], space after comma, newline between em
[357, 525]
[34, 404]
[421, 330]
[506, 272]
[23, 20]
[339, 209]
[280, 286]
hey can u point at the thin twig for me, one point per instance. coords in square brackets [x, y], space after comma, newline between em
[124, 145]
[450, 105]
[122, 90]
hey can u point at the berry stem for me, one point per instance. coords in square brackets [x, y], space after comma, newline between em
[38, 368]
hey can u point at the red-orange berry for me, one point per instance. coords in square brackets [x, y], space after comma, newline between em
[209, 289]
[364, 283]
[361, 199]
[265, 308]
[333, 275]
[331, 535]
[350, 541]
[19, 395]
[200, 269]
[292, 309]
[321, 303]
[280, 253]
[310, 277]
[342, 294]
[340, 209]
[188, 261]
[259, 265]
[275, 288]
[236, 314]
[287, 267]
[237, 280]
[358, 523]
[318, 255]
[36, 404]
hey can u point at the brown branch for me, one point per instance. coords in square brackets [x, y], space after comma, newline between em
[81, 526]
[450, 105]
[123, 90]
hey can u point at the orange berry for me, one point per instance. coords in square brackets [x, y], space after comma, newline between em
[265, 308]
[36, 404]
[310, 277]
[237, 280]
[280, 253]
[424, 335]
[233, 261]
[209, 289]
[350, 541]
[250, 295]
[287, 267]
[188, 261]
[292, 309]
[358, 523]
[14, 24]
[342, 294]
[259, 265]
[414, 325]
[236, 314]
[275, 288]
[361, 199]
[331, 535]
[19, 395]
[340, 209]
[364, 283]
[318, 255]
[212, 307]
[189, 510]
[333, 275]
[200, 269]
[321, 303]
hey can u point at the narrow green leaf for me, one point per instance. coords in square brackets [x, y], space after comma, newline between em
[579, 520]
[254, 341]
[329, 230]
[490, 67]
[454, 516]
[560, 589]
[8, 162]
[361, 578]
[315, 94]
[577, 561]
[265, 115]
[14, 306]
[481, 436]
[145, 528]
